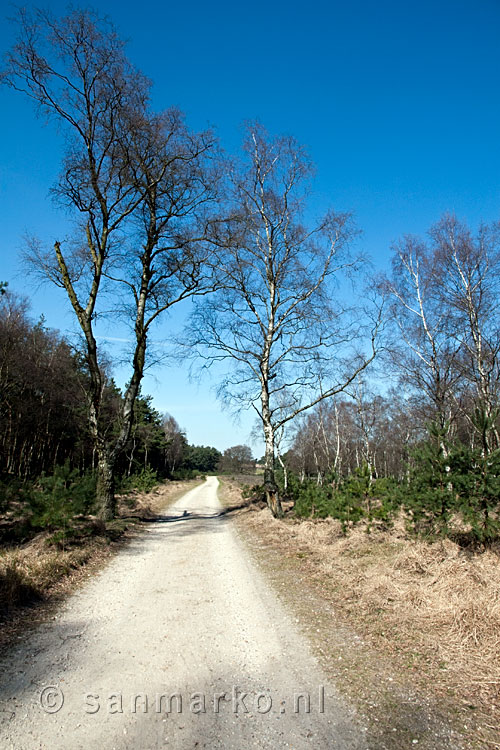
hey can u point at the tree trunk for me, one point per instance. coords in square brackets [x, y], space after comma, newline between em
[273, 498]
[285, 472]
[105, 492]
[270, 486]
[131, 458]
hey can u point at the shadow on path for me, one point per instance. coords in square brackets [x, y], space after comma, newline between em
[188, 515]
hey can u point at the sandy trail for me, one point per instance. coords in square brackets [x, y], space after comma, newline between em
[181, 610]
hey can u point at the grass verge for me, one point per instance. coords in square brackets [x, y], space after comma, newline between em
[409, 630]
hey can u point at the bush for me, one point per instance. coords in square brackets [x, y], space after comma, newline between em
[60, 497]
[321, 501]
[476, 480]
[256, 493]
[428, 498]
[144, 481]
[183, 474]
[359, 496]
[356, 498]
[14, 494]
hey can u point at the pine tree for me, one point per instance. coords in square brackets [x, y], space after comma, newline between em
[430, 499]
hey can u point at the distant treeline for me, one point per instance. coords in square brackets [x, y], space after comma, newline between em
[43, 411]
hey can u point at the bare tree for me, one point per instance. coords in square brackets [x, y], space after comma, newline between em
[176, 443]
[238, 458]
[339, 435]
[446, 312]
[367, 410]
[422, 353]
[290, 338]
[469, 292]
[138, 184]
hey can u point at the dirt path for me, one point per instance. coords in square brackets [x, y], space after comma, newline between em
[161, 647]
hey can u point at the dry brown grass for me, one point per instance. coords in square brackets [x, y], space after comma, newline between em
[27, 574]
[432, 608]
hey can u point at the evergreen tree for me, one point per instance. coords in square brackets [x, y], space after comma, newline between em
[429, 499]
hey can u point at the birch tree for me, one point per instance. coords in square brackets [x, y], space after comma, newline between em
[446, 313]
[288, 334]
[468, 269]
[137, 184]
[422, 352]
[367, 411]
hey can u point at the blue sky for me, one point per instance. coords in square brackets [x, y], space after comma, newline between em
[397, 102]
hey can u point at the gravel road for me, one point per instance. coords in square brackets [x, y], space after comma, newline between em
[178, 643]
